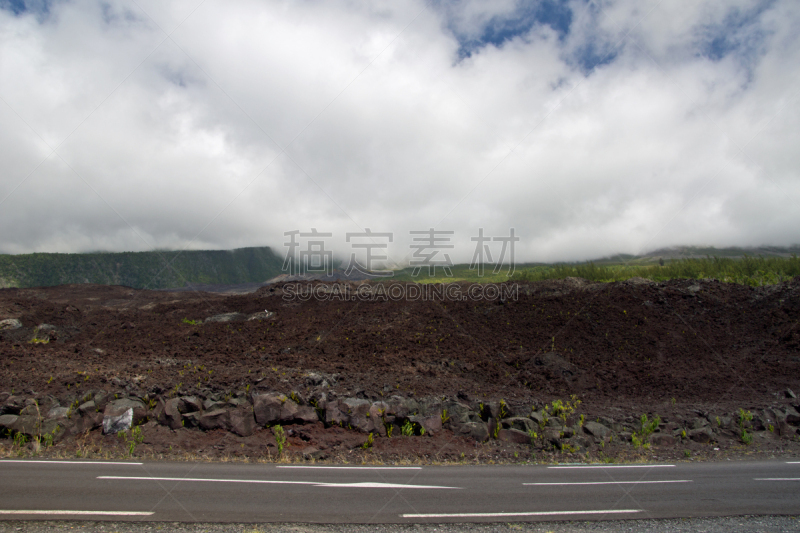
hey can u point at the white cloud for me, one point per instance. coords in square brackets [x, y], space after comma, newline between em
[254, 119]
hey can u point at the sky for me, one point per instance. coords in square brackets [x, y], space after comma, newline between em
[589, 127]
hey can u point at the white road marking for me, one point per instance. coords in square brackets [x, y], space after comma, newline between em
[613, 466]
[279, 482]
[613, 482]
[777, 478]
[537, 513]
[85, 513]
[793, 462]
[354, 467]
[70, 462]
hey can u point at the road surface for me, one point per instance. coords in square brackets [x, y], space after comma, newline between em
[208, 492]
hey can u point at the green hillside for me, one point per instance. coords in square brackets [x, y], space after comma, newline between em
[150, 270]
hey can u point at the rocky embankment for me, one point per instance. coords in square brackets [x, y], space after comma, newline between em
[38, 422]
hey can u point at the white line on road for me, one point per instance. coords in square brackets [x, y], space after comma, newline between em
[365, 485]
[614, 482]
[777, 478]
[70, 462]
[86, 513]
[793, 462]
[355, 467]
[537, 513]
[613, 466]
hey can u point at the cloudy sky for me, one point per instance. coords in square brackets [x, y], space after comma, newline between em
[590, 127]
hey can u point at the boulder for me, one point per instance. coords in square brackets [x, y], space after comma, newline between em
[663, 439]
[359, 416]
[553, 436]
[114, 423]
[596, 429]
[792, 416]
[703, 435]
[226, 317]
[169, 413]
[216, 419]
[12, 406]
[116, 408]
[192, 404]
[479, 431]
[7, 422]
[87, 408]
[241, 421]
[58, 413]
[432, 424]
[514, 435]
[519, 423]
[10, 323]
[267, 408]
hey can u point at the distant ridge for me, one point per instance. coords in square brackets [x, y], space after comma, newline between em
[141, 270]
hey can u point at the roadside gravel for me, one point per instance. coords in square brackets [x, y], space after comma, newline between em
[738, 524]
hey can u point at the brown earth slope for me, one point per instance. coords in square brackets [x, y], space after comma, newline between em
[635, 346]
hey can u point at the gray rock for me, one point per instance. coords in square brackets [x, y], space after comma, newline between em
[10, 323]
[116, 408]
[241, 421]
[789, 393]
[226, 317]
[703, 435]
[267, 408]
[213, 405]
[431, 424]
[170, 414]
[58, 413]
[192, 404]
[12, 406]
[553, 436]
[479, 431]
[7, 422]
[216, 419]
[596, 429]
[538, 418]
[514, 435]
[87, 408]
[359, 416]
[792, 416]
[113, 424]
[518, 423]
[261, 315]
[662, 439]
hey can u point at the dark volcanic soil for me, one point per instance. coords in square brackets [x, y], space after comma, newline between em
[634, 346]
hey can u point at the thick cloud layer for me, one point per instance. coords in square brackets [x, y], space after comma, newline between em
[591, 128]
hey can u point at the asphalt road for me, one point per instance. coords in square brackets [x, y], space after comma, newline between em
[204, 492]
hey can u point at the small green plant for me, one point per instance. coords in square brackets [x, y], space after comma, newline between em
[683, 433]
[581, 421]
[280, 438]
[192, 322]
[744, 417]
[503, 410]
[20, 440]
[771, 428]
[687, 453]
[719, 422]
[445, 418]
[646, 428]
[368, 443]
[672, 401]
[407, 429]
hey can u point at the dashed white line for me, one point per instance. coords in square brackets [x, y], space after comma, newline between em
[776, 478]
[364, 485]
[70, 462]
[73, 513]
[614, 482]
[535, 513]
[352, 467]
[598, 467]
